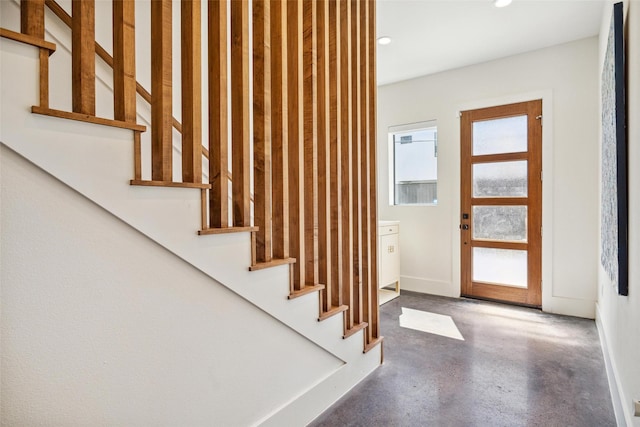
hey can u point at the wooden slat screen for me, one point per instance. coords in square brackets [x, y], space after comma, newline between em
[303, 123]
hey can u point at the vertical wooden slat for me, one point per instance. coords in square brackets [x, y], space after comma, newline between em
[204, 220]
[124, 61]
[374, 323]
[240, 112]
[44, 78]
[367, 303]
[32, 17]
[161, 91]
[83, 62]
[32, 23]
[346, 154]
[356, 156]
[334, 82]
[191, 91]
[295, 128]
[137, 156]
[310, 141]
[324, 207]
[279, 130]
[262, 129]
[218, 115]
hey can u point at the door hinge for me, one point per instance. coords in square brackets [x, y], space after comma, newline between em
[540, 118]
[541, 176]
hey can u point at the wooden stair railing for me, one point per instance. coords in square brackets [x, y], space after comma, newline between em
[213, 220]
[32, 23]
[312, 145]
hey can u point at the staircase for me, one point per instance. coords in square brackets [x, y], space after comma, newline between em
[278, 205]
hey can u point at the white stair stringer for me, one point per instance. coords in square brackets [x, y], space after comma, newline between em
[97, 162]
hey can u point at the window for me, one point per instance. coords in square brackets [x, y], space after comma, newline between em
[414, 164]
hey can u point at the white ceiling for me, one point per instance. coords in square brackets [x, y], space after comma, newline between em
[430, 36]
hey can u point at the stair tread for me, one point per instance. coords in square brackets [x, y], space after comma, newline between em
[273, 263]
[225, 230]
[332, 312]
[357, 327]
[146, 183]
[372, 344]
[36, 109]
[306, 290]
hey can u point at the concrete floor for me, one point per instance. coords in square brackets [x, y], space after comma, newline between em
[516, 367]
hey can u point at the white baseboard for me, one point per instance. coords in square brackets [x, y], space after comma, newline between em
[569, 306]
[623, 416]
[428, 286]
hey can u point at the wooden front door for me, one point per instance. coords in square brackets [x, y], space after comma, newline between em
[501, 217]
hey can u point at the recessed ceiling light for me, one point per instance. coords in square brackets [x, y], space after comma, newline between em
[384, 40]
[501, 3]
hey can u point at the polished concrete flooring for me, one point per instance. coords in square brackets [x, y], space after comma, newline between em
[516, 367]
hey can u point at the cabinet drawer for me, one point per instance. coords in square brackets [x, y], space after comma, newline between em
[383, 230]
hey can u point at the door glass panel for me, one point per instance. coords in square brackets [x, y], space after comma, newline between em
[508, 135]
[502, 179]
[500, 223]
[500, 266]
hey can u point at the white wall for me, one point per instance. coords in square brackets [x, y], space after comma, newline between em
[619, 316]
[102, 326]
[566, 78]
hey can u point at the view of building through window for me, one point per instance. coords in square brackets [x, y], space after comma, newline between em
[414, 164]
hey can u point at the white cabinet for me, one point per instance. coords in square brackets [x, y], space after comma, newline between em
[388, 260]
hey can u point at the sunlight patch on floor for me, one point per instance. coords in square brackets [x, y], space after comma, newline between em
[429, 322]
